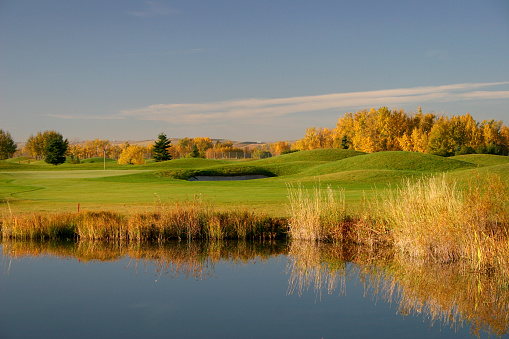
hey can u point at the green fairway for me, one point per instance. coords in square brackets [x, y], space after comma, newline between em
[41, 187]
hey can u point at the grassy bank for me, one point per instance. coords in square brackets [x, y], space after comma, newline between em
[120, 188]
[446, 217]
[428, 219]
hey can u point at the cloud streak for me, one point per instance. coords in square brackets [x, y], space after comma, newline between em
[255, 109]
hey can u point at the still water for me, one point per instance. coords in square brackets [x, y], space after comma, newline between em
[235, 290]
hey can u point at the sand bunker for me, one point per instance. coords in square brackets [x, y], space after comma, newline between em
[220, 178]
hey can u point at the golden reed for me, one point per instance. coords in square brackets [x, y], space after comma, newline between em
[183, 220]
[431, 219]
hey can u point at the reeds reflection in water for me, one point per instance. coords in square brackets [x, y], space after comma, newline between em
[172, 259]
[447, 295]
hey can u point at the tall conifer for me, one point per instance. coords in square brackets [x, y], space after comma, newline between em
[160, 150]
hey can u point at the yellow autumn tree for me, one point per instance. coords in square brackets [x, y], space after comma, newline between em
[365, 137]
[203, 145]
[405, 143]
[420, 140]
[279, 147]
[132, 155]
[383, 129]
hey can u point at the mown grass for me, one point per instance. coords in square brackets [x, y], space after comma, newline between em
[42, 187]
[483, 160]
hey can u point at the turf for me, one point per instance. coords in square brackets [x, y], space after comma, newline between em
[41, 187]
[483, 160]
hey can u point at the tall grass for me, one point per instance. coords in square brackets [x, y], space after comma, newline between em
[433, 219]
[430, 218]
[191, 219]
[318, 214]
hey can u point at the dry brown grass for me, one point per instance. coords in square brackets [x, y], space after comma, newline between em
[317, 214]
[433, 220]
[193, 219]
[430, 219]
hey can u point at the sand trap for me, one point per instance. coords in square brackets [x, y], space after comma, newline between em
[220, 178]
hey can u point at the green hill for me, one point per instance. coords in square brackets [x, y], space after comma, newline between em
[483, 159]
[396, 161]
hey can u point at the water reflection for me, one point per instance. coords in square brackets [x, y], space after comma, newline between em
[448, 294]
[445, 294]
[172, 259]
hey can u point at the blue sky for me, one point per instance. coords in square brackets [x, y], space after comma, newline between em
[244, 70]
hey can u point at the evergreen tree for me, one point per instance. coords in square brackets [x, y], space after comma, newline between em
[55, 150]
[7, 145]
[345, 142]
[160, 149]
[195, 152]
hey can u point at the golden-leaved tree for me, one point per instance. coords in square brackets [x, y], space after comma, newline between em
[279, 147]
[394, 130]
[132, 155]
[36, 145]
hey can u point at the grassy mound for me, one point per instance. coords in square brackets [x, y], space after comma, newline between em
[483, 159]
[186, 163]
[10, 165]
[324, 154]
[298, 162]
[397, 161]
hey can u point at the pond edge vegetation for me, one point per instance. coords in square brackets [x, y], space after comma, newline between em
[429, 219]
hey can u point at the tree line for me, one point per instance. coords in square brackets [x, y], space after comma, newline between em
[368, 131]
[396, 130]
[41, 146]
[50, 146]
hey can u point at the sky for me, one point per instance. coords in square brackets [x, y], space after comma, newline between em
[244, 70]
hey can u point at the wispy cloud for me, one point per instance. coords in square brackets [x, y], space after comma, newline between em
[259, 109]
[255, 109]
[153, 9]
[84, 117]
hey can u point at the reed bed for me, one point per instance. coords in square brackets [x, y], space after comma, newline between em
[317, 214]
[192, 219]
[433, 219]
[430, 218]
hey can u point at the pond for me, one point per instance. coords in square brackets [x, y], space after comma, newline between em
[237, 290]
